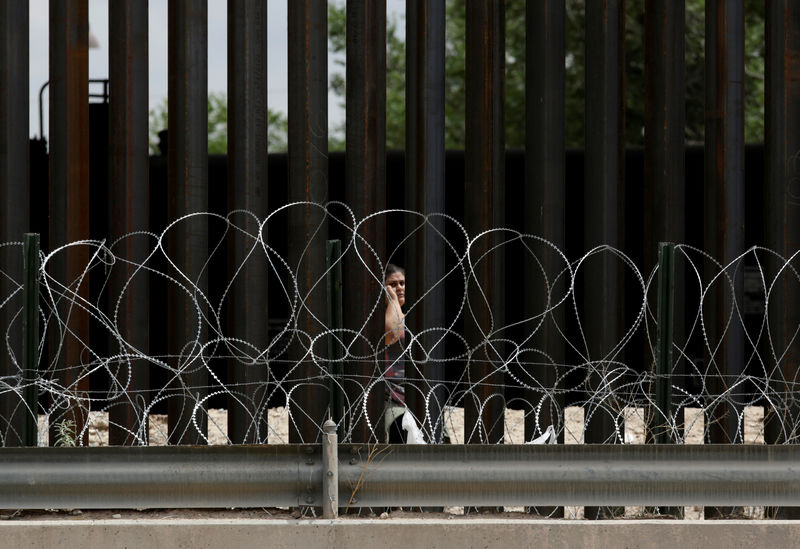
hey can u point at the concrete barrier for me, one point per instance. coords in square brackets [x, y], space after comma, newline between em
[395, 533]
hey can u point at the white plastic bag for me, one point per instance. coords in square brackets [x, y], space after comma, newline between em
[415, 435]
[548, 433]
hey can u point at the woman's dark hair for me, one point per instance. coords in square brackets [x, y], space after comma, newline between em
[391, 268]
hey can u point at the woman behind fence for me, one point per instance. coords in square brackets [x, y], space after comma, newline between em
[395, 339]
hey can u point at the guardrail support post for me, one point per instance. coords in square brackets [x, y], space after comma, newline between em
[30, 337]
[330, 471]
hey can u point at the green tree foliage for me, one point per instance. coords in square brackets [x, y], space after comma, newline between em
[218, 126]
[574, 64]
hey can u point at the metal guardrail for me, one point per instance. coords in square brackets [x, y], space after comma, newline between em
[400, 475]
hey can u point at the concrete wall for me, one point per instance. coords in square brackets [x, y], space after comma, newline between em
[395, 533]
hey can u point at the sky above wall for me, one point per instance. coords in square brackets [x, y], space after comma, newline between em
[277, 82]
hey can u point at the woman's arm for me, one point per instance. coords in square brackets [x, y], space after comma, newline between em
[394, 317]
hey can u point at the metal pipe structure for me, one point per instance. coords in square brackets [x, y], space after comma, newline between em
[782, 209]
[14, 194]
[129, 211]
[545, 194]
[724, 211]
[308, 223]
[425, 193]
[484, 204]
[188, 194]
[399, 475]
[247, 190]
[69, 197]
[365, 193]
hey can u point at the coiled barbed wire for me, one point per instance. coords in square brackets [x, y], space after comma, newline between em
[518, 372]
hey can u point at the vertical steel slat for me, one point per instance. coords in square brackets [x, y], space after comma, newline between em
[365, 193]
[128, 210]
[484, 190]
[604, 178]
[14, 192]
[545, 186]
[308, 225]
[782, 211]
[69, 192]
[603, 194]
[425, 194]
[247, 190]
[188, 193]
[665, 116]
[724, 209]
[545, 204]
[664, 164]
[30, 340]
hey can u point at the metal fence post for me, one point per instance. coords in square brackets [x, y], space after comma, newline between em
[663, 368]
[330, 471]
[30, 337]
[334, 283]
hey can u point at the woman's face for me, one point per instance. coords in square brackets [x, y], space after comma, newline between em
[397, 282]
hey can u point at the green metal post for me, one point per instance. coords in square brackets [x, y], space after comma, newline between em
[335, 321]
[663, 369]
[30, 336]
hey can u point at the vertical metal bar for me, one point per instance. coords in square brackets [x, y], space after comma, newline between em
[365, 193]
[724, 209]
[308, 183]
[603, 194]
[188, 193]
[425, 193]
[330, 471]
[545, 201]
[544, 185]
[662, 397]
[30, 339]
[782, 209]
[69, 190]
[247, 190]
[664, 165]
[665, 116]
[335, 351]
[484, 206]
[14, 190]
[128, 210]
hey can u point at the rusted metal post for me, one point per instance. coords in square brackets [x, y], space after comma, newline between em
[69, 194]
[308, 224]
[603, 194]
[188, 194]
[724, 212]
[425, 193]
[604, 178]
[664, 125]
[247, 190]
[14, 193]
[128, 211]
[782, 210]
[365, 193]
[545, 203]
[484, 206]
